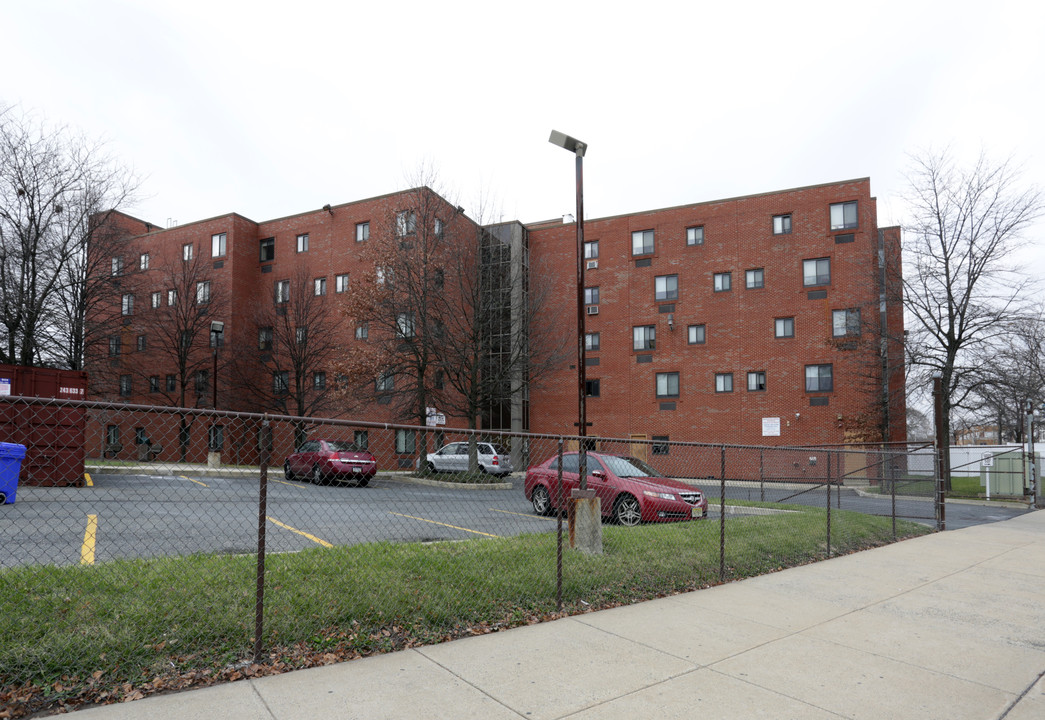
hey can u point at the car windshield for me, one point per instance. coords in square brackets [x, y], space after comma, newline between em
[628, 467]
[342, 446]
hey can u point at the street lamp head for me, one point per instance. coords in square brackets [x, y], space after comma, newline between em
[217, 327]
[569, 143]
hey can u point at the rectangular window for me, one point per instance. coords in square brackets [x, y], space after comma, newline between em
[695, 235]
[405, 442]
[143, 261]
[280, 382]
[172, 297]
[141, 343]
[217, 245]
[819, 378]
[117, 266]
[723, 382]
[172, 383]
[406, 223]
[440, 380]
[282, 293]
[319, 381]
[157, 299]
[591, 388]
[114, 345]
[591, 296]
[125, 385]
[265, 338]
[782, 224]
[267, 249]
[303, 243]
[644, 337]
[668, 384]
[785, 327]
[186, 252]
[112, 434]
[843, 215]
[438, 227]
[320, 286]
[405, 325]
[660, 446]
[845, 322]
[128, 304]
[385, 382]
[816, 272]
[756, 381]
[362, 439]
[341, 283]
[185, 339]
[696, 334]
[301, 334]
[591, 250]
[666, 287]
[723, 282]
[591, 341]
[642, 242]
[362, 231]
[215, 437]
[154, 383]
[362, 331]
[202, 381]
[217, 339]
[203, 292]
[754, 279]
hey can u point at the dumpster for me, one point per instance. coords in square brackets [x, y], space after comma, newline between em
[10, 465]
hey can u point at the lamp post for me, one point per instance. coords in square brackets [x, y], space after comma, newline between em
[217, 328]
[942, 451]
[578, 148]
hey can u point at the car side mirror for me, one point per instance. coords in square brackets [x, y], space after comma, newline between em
[598, 474]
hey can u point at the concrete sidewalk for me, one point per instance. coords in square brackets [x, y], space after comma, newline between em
[947, 626]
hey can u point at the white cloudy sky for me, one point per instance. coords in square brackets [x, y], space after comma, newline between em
[272, 108]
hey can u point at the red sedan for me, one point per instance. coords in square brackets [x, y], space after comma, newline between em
[322, 461]
[630, 490]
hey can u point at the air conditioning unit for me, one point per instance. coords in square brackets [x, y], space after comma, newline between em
[592, 264]
[593, 309]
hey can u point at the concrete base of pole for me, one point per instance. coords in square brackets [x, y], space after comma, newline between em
[213, 459]
[585, 519]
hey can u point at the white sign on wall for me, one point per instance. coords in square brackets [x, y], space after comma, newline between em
[770, 427]
[5, 386]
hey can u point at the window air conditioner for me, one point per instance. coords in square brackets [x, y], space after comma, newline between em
[592, 264]
[593, 309]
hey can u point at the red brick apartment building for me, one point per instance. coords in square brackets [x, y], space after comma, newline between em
[753, 320]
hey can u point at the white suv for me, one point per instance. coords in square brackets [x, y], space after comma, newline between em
[454, 458]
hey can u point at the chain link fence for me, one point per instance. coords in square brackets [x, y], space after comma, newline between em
[155, 547]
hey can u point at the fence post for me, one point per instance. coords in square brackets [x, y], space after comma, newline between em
[828, 504]
[722, 518]
[892, 491]
[762, 474]
[558, 532]
[259, 605]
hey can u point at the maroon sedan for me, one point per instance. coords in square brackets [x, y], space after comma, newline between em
[323, 461]
[630, 490]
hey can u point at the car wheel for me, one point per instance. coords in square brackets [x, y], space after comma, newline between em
[431, 467]
[317, 475]
[286, 471]
[542, 504]
[626, 511]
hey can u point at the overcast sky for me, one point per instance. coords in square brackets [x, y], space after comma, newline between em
[273, 108]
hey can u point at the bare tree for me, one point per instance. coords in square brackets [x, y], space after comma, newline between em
[52, 182]
[959, 292]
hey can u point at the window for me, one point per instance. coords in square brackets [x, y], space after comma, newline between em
[405, 325]
[341, 283]
[362, 439]
[660, 445]
[185, 338]
[301, 334]
[644, 337]
[215, 437]
[362, 331]
[128, 304]
[591, 388]
[267, 250]
[157, 299]
[723, 382]
[723, 282]
[154, 383]
[172, 297]
[319, 381]
[406, 223]
[280, 382]
[265, 338]
[362, 231]
[782, 224]
[843, 216]
[202, 381]
[695, 235]
[785, 327]
[668, 384]
[143, 261]
[112, 434]
[591, 296]
[320, 285]
[666, 287]
[114, 345]
[379, 273]
[440, 380]
[819, 378]
[303, 243]
[385, 382]
[117, 266]
[754, 279]
[756, 381]
[141, 343]
[203, 292]
[217, 245]
[282, 291]
[591, 341]
[591, 250]
[438, 278]
[125, 385]
[172, 383]
[186, 252]
[816, 272]
[845, 322]
[405, 442]
[438, 228]
[696, 334]
[217, 339]
[642, 242]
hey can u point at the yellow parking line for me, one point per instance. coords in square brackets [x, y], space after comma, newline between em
[89, 537]
[455, 527]
[509, 512]
[313, 538]
[284, 482]
[87, 477]
[195, 481]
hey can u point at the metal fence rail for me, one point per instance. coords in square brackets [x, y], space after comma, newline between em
[150, 543]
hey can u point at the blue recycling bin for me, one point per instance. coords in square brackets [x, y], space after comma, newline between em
[11, 456]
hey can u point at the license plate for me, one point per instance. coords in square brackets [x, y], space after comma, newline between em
[697, 512]
[355, 469]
